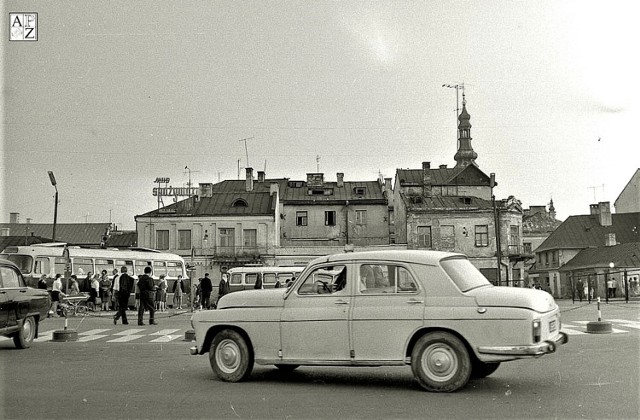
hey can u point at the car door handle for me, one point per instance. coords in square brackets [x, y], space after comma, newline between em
[341, 302]
[415, 301]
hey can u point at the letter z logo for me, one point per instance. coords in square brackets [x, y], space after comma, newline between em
[23, 26]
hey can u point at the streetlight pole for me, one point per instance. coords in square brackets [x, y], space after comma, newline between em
[52, 178]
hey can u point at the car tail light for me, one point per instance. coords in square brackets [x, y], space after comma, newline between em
[537, 330]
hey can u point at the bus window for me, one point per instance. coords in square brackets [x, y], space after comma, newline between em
[236, 278]
[125, 263]
[59, 265]
[140, 266]
[285, 277]
[159, 268]
[104, 265]
[269, 278]
[82, 266]
[250, 279]
[42, 266]
[174, 269]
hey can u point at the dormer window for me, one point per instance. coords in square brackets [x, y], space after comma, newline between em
[359, 190]
[239, 202]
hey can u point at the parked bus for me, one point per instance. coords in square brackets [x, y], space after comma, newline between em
[244, 278]
[50, 259]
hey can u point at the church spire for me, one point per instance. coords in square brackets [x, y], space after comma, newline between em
[465, 155]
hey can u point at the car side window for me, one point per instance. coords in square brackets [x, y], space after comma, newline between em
[8, 277]
[385, 278]
[325, 280]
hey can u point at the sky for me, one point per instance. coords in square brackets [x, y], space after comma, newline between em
[114, 94]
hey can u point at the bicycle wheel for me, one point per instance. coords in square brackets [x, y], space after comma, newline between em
[81, 310]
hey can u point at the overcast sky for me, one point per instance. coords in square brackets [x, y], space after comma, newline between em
[116, 93]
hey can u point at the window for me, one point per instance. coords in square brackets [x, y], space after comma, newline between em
[250, 279]
[59, 265]
[9, 278]
[239, 202]
[104, 265]
[482, 235]
[361, 217]
[174, 269]
[382, 278]
[236, 278]
[269, 278]
[249, 238]
[162, 239]
[447, 238]
[330, 218]
[42, 266]
[514, 235]
[82, 266]
[424, 236]
[360, 190]
[301, 218]
[325, 280]
[125, 263]
[159, 268]
[184, 239]
[527, 248]
[227, 238]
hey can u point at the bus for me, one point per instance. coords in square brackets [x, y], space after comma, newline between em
[244, 278]
[56, 258]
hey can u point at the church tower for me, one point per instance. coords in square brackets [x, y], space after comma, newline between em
[465, 155]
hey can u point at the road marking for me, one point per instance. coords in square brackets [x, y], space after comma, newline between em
[164, 332]
[125, 338]
[571, 331]
[627, 324]
[91, 337]
[129, 331]
[165, 339]
[94, 332]
[45, 336]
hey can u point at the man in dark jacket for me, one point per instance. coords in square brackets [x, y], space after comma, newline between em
[206, 287]
[122, 286]
[147, 296]
[223, 287]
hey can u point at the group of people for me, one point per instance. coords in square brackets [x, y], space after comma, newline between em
[205, 288]
[612, 286]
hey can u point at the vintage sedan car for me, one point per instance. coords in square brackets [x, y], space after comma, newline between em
[21, 307]
[431, 310]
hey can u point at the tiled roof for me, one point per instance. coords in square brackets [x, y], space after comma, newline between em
[540, 222]
[219, 204]
[444, 203]
[72, 233]
[123, 240]
[371, 192]
[622, 256]
[585, 231]
[6, 241]
[439, 176]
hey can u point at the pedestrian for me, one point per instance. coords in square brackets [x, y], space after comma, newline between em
[86, 283]
[74, 289]
[614, 286]
[609, 287]
[579, 288]
[114, 290]
[147, 294]
[206, 287]
[56, 291]
[94, 289]
[123, 286]
[223, 287]
[105, 290]
[178, 291]
[258, 283]
[42, 282]
[137, 294]
[162, 293]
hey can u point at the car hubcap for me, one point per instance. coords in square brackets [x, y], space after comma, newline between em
[228, 356]
[439, 362]
[27, 330]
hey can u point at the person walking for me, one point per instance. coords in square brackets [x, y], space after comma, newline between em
[56, 291]
[178, 291]
[162, 294]
[94, 289]
[105, 290]
[147, 293]
[123, 285]
[114, 290]
[614, 286]
[223, 287]
[206, 287]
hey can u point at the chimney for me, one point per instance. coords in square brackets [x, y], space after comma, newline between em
[28, 220]
[604, 213]
[426, 179]
[340, 177]
[260, 176]
[248, 185]
[274, 188]
[443, 166]
[387, 184]
[594, 210]
[206, 190]
[610, 239]
[14, 217]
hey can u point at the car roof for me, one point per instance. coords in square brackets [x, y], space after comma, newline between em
[408, 256]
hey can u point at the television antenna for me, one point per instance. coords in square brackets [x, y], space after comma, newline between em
[458, 87]
[246, 149]
[594, 188]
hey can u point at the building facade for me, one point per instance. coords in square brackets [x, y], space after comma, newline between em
[629, 199]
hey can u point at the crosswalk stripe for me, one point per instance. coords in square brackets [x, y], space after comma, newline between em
[130, 331]
[94, 332]
[571, 331]
[165, 339]
[164, 332]
[86, 338]
[125, 338]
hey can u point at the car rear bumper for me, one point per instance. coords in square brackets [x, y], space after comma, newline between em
[545, 347]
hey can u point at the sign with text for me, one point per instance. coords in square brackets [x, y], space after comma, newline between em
[23, 26]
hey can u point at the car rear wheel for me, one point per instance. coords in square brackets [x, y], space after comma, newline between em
[440, 362]
[230, 357]
[23, 338]
[483, 369]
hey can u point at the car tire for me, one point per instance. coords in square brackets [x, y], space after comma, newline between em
[483, 369]
[23, 338]
[230, 356]
[440, 362]
[287, 368]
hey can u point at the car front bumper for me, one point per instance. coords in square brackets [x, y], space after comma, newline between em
[540, 349]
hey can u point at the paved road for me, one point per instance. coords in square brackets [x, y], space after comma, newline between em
[112, 375]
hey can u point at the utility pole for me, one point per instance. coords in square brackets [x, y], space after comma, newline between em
[52, 178]
[458, 87]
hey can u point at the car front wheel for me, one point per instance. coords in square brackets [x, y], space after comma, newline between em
[230, 357]
[23, 338]
[440, 362]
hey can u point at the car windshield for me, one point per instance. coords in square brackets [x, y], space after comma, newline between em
[24, 262]
[464, 274]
